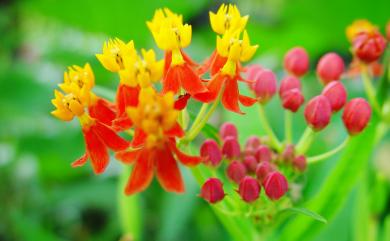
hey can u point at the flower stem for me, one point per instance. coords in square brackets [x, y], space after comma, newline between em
[305, 141]
[288, 126]
[199, 117]
[275, 143]
[330, 153]
[370, 90]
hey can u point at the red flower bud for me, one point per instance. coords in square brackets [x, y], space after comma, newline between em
[369, 47]
[275, 185]
[289, 83]
[300, 163]
[356, 115]
[236, 171]
[249, 189]
[251, 145]
[263, 169]
[210, 152]
[263, 154]
[265, 86]
[292, 100]
[296, 61]
[231, 148]
[318, 112]
[212, 190]
[252, 71]
[288, 153]
[228, 129]
[336, 94]
[330, 68]
[250, 163]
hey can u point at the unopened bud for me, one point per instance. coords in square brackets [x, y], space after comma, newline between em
[251, 145]
[236, 171]
[300, 163]
[228, 129]
[292, 100]
[318, 112]
[356, 115]
[275, 185]
[288, 83]
[250, 163]
[249, 189]
[336, 94]
[263, 154]
[231, 148]
[263, 169]
[252, 71]
[330, 68]
[265, 86]
[369, 47]
[211, 153]
[212, 190]
[288, 153]
[296, 61]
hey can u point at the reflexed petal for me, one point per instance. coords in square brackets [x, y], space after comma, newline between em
[181, 102]
[214, 86]
[142, 173]
[189, 80]
[188, 60]
[246, 100]
[81, 161]
[96, 150]
[175, 131]
[167, 62]
[217, 64]
[231, 95]
[126, 96]
[139, 138]
[171, 81]
[103, 111]
[127, 157]
[122, 123]
[184, 158]
[206, 64]
[109, 137]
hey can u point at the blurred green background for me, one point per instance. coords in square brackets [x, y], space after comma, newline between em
[43, 198]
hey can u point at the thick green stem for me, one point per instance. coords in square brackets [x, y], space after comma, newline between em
[274, 142]
[305, 141]
[328, 154]
[370, 90]
[199, 117]
[288, 126]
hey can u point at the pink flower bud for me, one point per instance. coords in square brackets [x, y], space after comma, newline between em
[249, 189]
[336, 94]
[292, 100]
[275, 185]
[369, 47]
[288, 153]
[228, 129]
[330, 68]
[296, 61]
[251, 145]
[231, 147]
[265, 86]
[300, 163]
[318, 112]
[356, 115]
[210, 152]
[212, 190]
[236, 171]
[252, 71]
[250, 163]
[288, 83]
[263, 154]
[263, 169]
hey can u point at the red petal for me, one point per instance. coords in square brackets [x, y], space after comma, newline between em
[214, 86]
[230, 96]
[175, 131]
[122, 123]
[246, 100]
[189, 80]
[96, 150]
[184, 158]
[181, 102]
[109, 137]
[206, 64]
[167, 62]
[81, 161]
[142, 173]
[188, 60]
[126, 96]
[217, 64]
[127, 157]
[103, 111]
[139, 138]
[167, 171]
[171, 81]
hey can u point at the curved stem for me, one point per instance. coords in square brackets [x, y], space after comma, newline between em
[288, 126]
[275, 143]
[330, 153]
[305, 141]
[199, 117]
[370, 90]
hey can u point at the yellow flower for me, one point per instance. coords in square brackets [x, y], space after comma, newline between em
[154, 114]
[168, 30]
[114, 51]
[359, 26]
[143, 70]
[227, 18]
[67, 106]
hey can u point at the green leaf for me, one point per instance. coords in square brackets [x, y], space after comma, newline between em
[306, 212]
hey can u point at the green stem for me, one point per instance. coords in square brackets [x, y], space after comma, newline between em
[288, 126]
[370, 90]
[275, 143]
[305, 141]
[199, 117]
[330, 153]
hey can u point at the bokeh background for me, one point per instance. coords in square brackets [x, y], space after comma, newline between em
[43, 198]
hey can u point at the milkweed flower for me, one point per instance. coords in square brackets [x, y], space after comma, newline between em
[360, 26]
[98, 136]
[154, 143]
[171, 35]
[227, 18]
[114, 52]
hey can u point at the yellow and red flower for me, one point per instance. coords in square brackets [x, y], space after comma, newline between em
[154, 143]
[360, 26]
